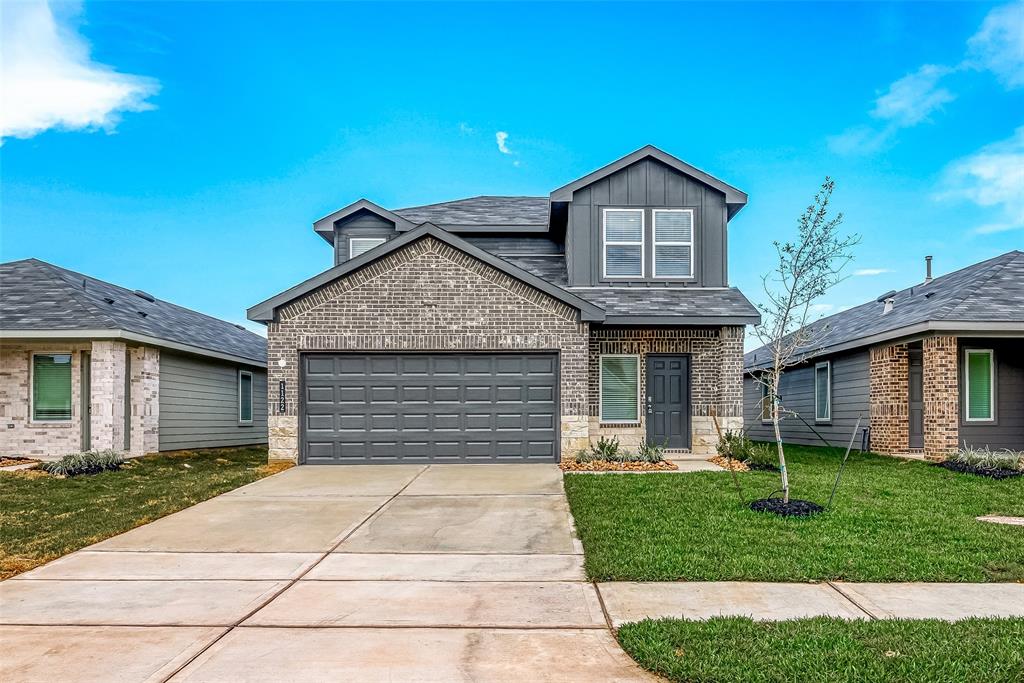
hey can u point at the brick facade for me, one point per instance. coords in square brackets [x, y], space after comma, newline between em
[430, 296]
[50, 440]
[889, 397]
[716, 377]
[426, 296]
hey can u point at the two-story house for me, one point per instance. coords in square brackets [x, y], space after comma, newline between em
[515, 329]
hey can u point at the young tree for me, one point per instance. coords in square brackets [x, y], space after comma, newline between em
[805, 270]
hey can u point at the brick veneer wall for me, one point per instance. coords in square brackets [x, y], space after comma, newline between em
[145, 400]
[426, 296]
[716, 377]
[889, 397]
[941, 397]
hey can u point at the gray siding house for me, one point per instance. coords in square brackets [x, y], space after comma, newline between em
[928, 368]
[515, 329]
[85, 364]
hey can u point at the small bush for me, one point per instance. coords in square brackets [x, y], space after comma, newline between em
[762, 456]
[984, 459]
[650, 452]
[89, 462]
[735, 445]
[606, 449]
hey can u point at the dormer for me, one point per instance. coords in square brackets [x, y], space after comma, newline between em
[358, 228]
[648, 219]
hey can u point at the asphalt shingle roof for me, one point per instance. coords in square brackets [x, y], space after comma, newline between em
[483, 210]
[989, 291]
[35, 295]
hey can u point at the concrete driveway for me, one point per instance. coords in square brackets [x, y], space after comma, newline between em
[397, 572]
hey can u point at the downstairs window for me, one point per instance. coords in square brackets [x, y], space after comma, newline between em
[51, 387]
[620, 388]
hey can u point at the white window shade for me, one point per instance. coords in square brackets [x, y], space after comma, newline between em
[623, 243]
[620, 387]
[673, 243]
[361, 245]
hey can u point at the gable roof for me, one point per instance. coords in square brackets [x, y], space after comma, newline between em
[264, 311]
[325, 226]
[485, 211]
[735, 199]
[39, 297]
[986, 296]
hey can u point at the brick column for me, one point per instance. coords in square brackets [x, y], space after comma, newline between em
[941, 397]
[145, 400]
[889, 399]
[107, 379]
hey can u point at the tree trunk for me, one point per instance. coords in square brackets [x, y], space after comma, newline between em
[778, 443]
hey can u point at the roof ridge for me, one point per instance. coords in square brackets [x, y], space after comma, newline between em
[476, 196]
[55, 272]
[969, 290]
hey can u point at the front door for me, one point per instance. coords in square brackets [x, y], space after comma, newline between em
[668, 401]
[915, 394]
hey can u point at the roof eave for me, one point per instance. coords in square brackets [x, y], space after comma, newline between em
[325, 226]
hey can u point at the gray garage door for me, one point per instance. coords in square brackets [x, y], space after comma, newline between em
[439, 407]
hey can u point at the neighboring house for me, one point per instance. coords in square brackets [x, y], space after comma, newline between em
[927, 368]
[85, 364]
[515, 329]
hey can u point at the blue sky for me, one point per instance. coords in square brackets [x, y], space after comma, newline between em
[186, 148]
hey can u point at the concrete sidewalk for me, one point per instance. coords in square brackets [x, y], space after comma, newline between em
[629, 601]
[363, 573]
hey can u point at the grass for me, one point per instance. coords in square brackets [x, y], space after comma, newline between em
[829, 650]
[44, 517]
[892, 520]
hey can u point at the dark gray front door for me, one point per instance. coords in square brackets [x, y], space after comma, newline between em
[429, 407]
[915, 394]
[668, 401]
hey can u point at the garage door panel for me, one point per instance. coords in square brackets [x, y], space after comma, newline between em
[443, 407]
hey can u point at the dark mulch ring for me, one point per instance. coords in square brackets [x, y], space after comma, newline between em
[794, 508]
[761, 467]
[964, 468]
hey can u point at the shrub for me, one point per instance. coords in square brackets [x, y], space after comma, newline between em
[984, 459]
[762, 456]
[606, 449]
[89, 462]
[735, 445]
[650, 452]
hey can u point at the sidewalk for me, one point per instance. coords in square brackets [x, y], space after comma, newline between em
[628, 601]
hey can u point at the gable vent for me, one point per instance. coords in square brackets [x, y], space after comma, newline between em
[144, 295]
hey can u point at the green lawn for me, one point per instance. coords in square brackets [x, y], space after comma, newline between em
[43, 517]
[828, 650]
[892, 520]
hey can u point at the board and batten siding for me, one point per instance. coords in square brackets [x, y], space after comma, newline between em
[1007, 431]
[648, 183]
[850, 400]
[199, 404]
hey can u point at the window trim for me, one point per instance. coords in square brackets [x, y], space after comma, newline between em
[600, 389]
[377, 241]
[252, 407]
[32, 388]
[672, 243]
[991, 419]
[828, 391]
[605, 243]
[764, 402]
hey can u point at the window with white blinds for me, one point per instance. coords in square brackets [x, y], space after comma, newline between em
[620, 388]
[361, 245]
[673, 243]
[623, 243]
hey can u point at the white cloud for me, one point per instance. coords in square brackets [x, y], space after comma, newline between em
[466, 129]
[821, 309]
[912, 98]
[49, 80]
[502, 137]
[862, 272]
[992, 177]
[998, 46]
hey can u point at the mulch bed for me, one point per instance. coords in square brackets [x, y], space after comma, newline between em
[729, 464]
[964, 468]
[794, 508]
[14, 460]
[615, 466]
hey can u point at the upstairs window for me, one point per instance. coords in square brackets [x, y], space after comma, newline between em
[361, 245]
[980, 380]
[51, 387]
[673, 243]
[623, 233]
[244, 396]
[823, 392]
